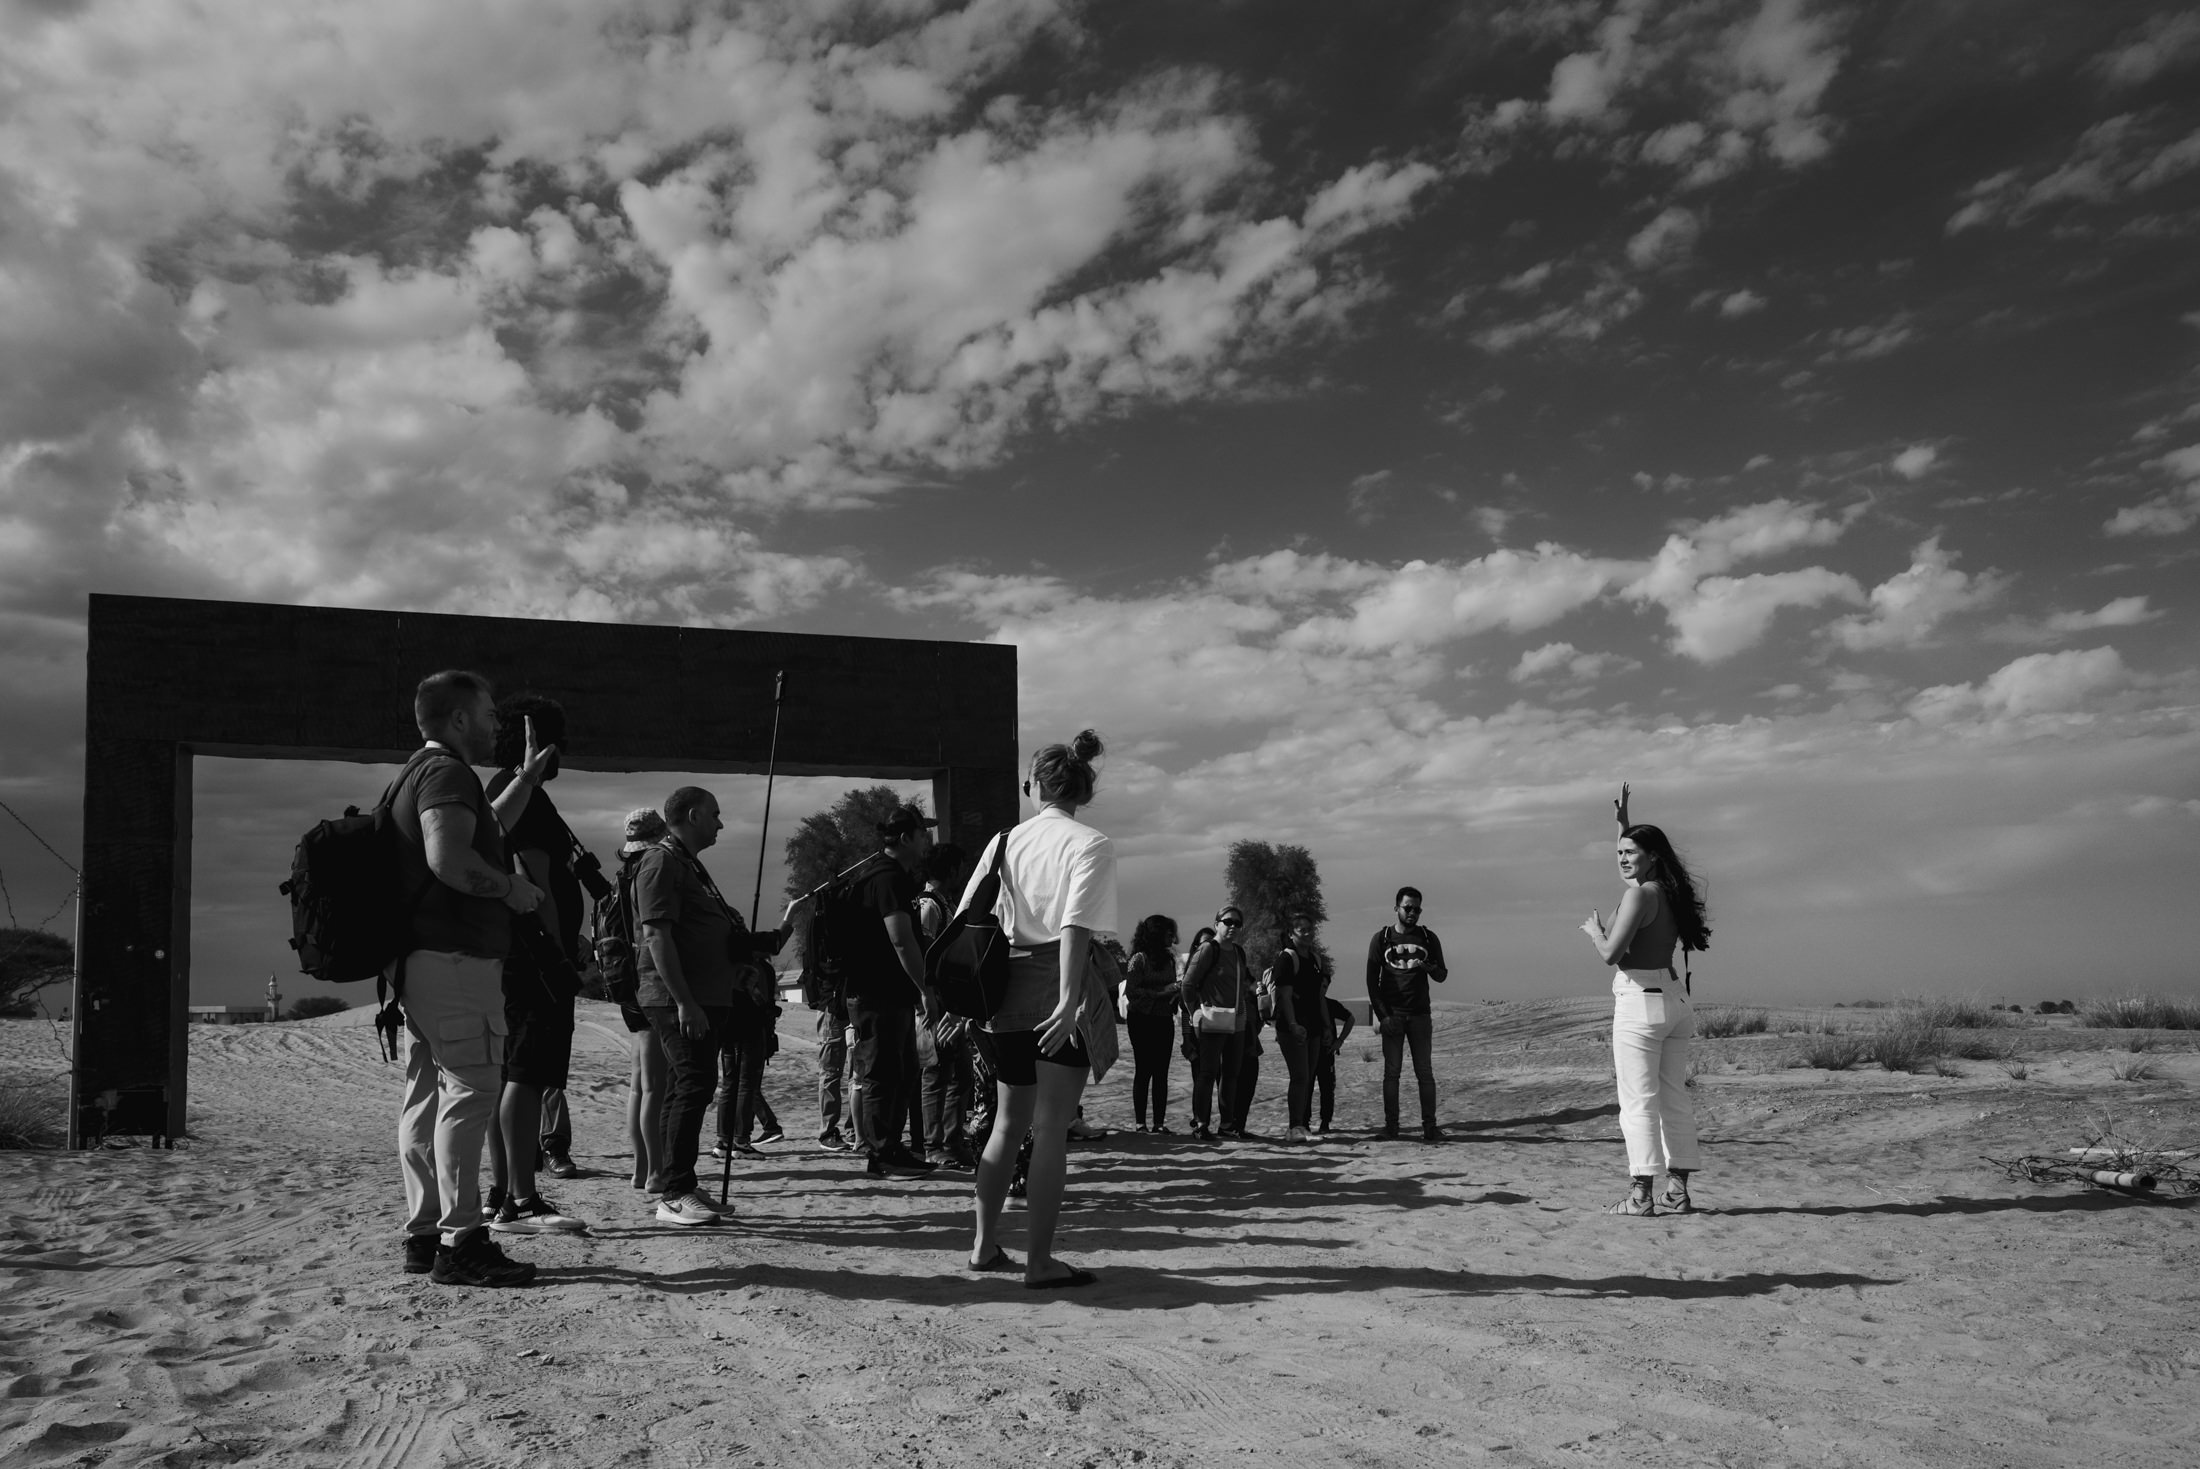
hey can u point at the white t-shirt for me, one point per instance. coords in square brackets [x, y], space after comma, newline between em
[1057, 872]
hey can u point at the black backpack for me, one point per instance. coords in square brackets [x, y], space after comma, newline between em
[617, 958]
[350, 916]
[831, 943]
[967, 965]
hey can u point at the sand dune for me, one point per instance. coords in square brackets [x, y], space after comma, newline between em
[1864, 1292]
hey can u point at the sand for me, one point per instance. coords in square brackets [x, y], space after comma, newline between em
[1863, 1291]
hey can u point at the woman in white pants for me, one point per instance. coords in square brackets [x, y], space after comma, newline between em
[1651, 1018]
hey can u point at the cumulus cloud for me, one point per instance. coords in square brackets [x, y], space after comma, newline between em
[1666, 239]
[1909, 607]
[1565, 661]
[2167, 514]
[2038, 683]
[1744, 302]
[2122, 612]
[2165, 42]
[1715, 616]
[2112, 162]
[1916, 461]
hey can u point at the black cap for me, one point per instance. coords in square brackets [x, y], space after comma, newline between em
[902, 823]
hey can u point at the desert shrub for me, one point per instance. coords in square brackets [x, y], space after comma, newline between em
[30, 1115]
[1953, 1012]
[2130, 1068]
[2015, 1065]
[1831, 1052]
[1871, 1004]
[2141, 1012]
[1716, 1022]
[1972, 1047]
[1823, 1025]
[1907, 1042]
[313, 1005]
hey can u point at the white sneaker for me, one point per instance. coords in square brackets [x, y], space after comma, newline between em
[1084, 1131]
[687, 1208]
[1295, 1135]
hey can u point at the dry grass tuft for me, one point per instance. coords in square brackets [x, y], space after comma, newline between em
[30, 1116]
[1907, 1042]
[1952, 1012]
[2140, 1012]
[1837, 1052]
[2130, 1067]
[1716, 1022]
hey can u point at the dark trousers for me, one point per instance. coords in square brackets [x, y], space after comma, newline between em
[741, 1079]
[886, 1042]
[1299, 1104]
[557, 1123]
[1399, 1032]
[1248, 1080]
[1216, 1069]
[832, 1060]
[1325, 1071]
[947, 1086]
[1153, 1039]
[692, 1066]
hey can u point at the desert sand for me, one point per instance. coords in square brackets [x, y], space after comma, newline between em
[1863, 1290]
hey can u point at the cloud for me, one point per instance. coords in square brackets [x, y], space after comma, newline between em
[1424, 603]
[1908, 607]
[1369, 496]
[1715, 616]
[2038, 683]
[1565, 661]
[1915, 462]
[2112, 162]
[2166, 42]
[1665, 240]
[1744, 302]
[1723, 615]
[2167, 514]
[2122, 612]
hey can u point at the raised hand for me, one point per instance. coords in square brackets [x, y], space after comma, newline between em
[538, 756]
[1619, 807]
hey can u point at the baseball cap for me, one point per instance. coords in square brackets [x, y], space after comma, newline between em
[903, 822]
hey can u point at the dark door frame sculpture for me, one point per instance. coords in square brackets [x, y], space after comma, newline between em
[167, 679]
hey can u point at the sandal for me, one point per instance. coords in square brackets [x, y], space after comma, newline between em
[1638, 1202]
[994, 1264]
[1676, 1200]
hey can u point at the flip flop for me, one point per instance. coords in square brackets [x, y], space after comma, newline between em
[1071, 1281]
[994, 1264]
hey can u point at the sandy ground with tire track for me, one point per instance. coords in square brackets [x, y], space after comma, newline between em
[1863, 1291]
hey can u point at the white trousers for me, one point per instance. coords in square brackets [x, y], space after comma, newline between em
[1650, 1035]
[454, 1068]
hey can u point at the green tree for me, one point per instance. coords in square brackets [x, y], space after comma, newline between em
[1268, 884]
[313, 1005]
[829, 842]
[30, 959]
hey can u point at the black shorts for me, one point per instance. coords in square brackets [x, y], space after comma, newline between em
[1014, 1055]
[539, 1049]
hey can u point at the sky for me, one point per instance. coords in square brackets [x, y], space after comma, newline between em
[1391, 426]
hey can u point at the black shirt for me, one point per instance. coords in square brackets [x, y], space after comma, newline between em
[445, 918]
[541, 829]
[875, 975]
[1303, 974]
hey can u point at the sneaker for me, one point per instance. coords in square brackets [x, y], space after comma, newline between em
[477, 1260]
[1084, 1132]
[833, 1142]
[950, 1158]
[688, 1208]
[1432, 1134]
[772, 1135]
[1322, 1131]
[1162, 1129]
[1676, 1200]
[535, 1216]
[492, 1202]
[1295, 1135]
[1204, 1133]
[720, 1149]
[1390, 1131]
[419, 1253]
[560, 1165]
[1228, 1132]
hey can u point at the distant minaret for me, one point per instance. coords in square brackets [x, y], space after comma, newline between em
[274, 1000]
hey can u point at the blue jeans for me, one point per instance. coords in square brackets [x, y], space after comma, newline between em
[1399, 1032]
[692, 1062]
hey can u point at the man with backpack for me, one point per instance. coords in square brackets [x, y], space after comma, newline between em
[945, 1051]
[450, 858]
[883, 979]
[1403, 959]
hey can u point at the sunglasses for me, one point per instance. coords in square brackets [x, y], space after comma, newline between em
[1229, 922]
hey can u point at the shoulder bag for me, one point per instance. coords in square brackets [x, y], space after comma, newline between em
[967, 965]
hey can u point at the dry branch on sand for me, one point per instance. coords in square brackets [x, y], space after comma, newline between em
[2105, 1160]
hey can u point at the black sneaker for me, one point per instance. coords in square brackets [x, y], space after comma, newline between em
[476, 1260]
[493, 1202]
[559, 1165]
[420, 1253]
[1432, 1134]
[833, 1142]
[771, 1135]
[1390, 1131]
[897, 1162]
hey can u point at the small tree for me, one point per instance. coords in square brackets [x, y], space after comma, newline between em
[31, 959]
[313, 1005]
[829, 842]
[1269, 884]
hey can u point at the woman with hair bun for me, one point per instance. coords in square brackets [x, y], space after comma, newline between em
[1057, 891]
[1149, 988]
[1651, 1019]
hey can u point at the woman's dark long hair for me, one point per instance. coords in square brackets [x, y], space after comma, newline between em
[1672, 878]
[1153, 937]
[1205, 935]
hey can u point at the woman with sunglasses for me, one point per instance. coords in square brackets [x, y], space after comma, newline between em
[1057, 890]
[1216, 998]
[1651, 1019]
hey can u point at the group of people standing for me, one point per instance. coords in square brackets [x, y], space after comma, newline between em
[488, 1023]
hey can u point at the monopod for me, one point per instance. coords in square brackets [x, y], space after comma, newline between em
[763, 846]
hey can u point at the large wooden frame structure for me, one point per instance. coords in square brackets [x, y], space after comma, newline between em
[167, 679]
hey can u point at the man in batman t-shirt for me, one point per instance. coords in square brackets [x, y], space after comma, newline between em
[1402, 960]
